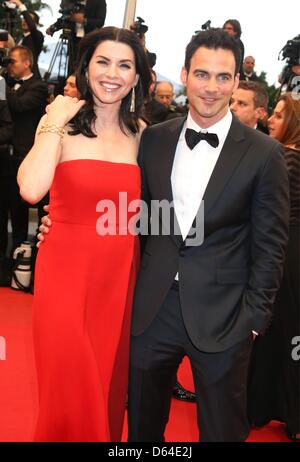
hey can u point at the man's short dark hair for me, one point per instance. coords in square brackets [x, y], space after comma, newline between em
[36, 17]
[213, 39]
[26, 53]
[261, 97]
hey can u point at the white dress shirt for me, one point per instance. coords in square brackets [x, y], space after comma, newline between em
[192, 170]
[17, 85]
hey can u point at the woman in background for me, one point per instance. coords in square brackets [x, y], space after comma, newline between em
[274, 388]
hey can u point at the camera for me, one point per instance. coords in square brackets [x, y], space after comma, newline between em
[4, 59]
[205, 26]
[67, 9]
[291, 51]
[139, 27]
[22, 267]
[9, 6]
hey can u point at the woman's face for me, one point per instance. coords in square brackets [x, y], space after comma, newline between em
[275, 122]
[112, 72]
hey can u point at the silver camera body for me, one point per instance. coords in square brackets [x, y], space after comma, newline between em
[21, 273]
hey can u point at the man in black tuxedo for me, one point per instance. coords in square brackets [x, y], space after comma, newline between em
[248, 73]
[26, 98]
[206, 299]
[32, 37]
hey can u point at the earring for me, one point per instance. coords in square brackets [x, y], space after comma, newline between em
[132, 104]
[87, 76]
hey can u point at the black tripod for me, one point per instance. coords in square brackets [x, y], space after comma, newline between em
[63, 56]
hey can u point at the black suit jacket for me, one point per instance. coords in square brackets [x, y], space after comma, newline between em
[228, 284]
[95, 13]
[27, 105]
[34, 41]
[254, 77]
[6, 133]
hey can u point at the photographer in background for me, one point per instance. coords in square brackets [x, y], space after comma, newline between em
[6, 132]
[233, 28]
[93, 15]
[26, 98]
[288, 77]
[78, 17]
[32, 37]
[140, 29]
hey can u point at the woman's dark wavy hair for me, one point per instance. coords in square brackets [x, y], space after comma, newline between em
[129, 121]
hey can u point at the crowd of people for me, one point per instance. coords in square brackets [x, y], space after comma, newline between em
[105, 302]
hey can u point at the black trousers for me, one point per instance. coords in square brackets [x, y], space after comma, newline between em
[220, 380]
[12, 204]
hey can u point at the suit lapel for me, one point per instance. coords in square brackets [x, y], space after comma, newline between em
[234, 149]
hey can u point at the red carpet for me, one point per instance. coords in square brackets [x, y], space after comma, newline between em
[18, 389]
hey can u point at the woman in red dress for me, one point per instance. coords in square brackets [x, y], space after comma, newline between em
[85, 152]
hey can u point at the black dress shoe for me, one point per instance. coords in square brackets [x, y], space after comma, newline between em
[4, 278]
[293, 436]
[182, 394]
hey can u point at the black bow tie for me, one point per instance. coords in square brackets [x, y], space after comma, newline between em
[15, 82]
[192, 138]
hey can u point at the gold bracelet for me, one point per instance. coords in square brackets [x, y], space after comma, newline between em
[52, 128]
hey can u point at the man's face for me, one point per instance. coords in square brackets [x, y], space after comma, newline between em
[19, 66]
[164, 94]
[229, 29]
[70, 88]
[210, 83]
[153, 83]
[24, 24]
[248, 65]
[242, 105]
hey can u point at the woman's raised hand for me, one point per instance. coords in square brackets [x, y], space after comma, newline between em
[63, 109]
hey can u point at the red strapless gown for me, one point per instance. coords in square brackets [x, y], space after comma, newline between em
[82, 305]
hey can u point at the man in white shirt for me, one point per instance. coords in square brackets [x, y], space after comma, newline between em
[210, 282]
